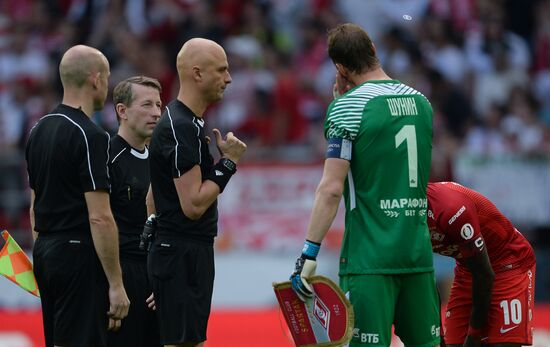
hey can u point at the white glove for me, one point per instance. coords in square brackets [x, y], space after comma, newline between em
[304, 269]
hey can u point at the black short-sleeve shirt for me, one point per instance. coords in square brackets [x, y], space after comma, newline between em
[66, 155]
[177, 145]
[129, 174]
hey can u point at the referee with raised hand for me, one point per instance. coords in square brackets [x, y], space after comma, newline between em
[186, 184]
[76, 261]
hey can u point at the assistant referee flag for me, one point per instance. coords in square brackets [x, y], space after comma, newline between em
[16, 266]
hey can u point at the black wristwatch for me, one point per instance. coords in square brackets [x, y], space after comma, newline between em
[229, 164]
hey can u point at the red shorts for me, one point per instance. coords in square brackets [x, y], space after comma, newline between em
[510, 315]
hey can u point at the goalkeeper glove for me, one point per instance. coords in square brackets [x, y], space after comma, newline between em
[305, 268]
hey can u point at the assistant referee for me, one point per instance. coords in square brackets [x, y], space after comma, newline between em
[76, 260]
[137, 104]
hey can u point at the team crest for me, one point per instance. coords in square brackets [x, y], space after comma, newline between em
[325, 320]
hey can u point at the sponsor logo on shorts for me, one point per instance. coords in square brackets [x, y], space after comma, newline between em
[504, 331]
[356, 332]
[365, 337]
[467, 231]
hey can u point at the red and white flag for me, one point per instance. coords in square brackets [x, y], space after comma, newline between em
[325, 320]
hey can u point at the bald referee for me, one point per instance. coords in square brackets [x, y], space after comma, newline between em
[186, 184]
[76, 259]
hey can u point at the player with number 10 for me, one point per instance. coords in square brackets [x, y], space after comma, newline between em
[492, 297]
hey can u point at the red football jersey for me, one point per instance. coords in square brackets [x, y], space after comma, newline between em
[462, 222]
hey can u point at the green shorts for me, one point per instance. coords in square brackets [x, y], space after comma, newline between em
[409, 301]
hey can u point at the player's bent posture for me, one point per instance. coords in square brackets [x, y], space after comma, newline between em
[491, 299]
[137, 104]
[379, 136]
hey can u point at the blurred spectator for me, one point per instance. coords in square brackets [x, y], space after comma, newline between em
[541, 89]
[290, 125]
[521, 122]
[375, 16]
[13, 115]
[442, 51]
[541, 59]
[23, 59]
[444, 147]
[492, 38]
[495, 84]
[128, 50]
[245, 55]
[542, 37]
[452, 102]
[199, 21]
[161, 69]
[311, 52]
[395, 52]
[486, 137]
[458, 13]
[257, 129]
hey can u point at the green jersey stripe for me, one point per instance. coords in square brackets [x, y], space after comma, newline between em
[352, 203]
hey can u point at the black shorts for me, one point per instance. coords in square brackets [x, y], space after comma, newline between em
[182, 276]
[73, 290]
[140, 327]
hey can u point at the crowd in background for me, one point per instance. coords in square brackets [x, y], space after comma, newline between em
[483, 64]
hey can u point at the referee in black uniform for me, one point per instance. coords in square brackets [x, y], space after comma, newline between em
[75, 253]
[137, 103]
[186, 183]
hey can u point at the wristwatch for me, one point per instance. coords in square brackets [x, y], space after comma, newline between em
[229, 164]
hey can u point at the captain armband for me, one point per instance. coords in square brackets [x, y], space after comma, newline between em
[222, 172]
[339, 148]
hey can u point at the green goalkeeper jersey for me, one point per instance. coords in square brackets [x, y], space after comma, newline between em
[387, 126]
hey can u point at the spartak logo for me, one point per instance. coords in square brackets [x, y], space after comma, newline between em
[321, 312]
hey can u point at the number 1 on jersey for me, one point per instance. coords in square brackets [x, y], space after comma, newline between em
[408, 134]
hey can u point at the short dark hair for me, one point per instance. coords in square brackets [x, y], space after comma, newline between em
[351, 46]
[123, 91]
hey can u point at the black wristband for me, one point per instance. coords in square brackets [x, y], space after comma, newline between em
[222, 172]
